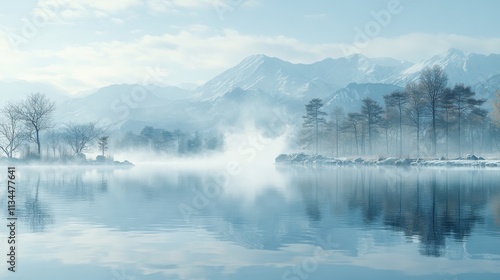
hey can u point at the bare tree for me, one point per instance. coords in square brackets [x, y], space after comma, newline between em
[398, 101]
[54, 139]
[386, 124]
[354, 120]
[36, 112]
[78, 136]
[11, 134]
[433, 83]
[415, 111]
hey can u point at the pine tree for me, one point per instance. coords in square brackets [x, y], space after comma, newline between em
[372, 112]
[314, 121]
[462, 101]
[102, 142]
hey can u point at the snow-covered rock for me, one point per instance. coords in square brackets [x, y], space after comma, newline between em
[304, 159]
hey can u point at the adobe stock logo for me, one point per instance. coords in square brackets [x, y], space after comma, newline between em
[372, 29]
[33, 24]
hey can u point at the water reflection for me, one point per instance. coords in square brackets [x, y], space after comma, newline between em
[438, 213]
[35, 212]
[430, 204]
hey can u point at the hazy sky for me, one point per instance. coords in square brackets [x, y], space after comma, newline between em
[84, 44]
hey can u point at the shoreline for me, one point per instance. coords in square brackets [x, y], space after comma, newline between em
[319, 160]
[69, 163]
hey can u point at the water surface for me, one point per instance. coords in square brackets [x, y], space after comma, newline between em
[154, 222]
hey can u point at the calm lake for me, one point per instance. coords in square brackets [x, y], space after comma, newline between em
[154, 222]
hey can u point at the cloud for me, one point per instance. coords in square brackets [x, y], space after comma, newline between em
[78, 9]
[197, 53]
[417, 46]
[315, 16]
[117, 21]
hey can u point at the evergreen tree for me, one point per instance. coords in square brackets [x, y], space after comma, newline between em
[462, 101]
[314, 121]
[338, 117]
[372, 113]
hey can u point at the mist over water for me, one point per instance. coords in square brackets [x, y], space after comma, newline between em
[248, 148]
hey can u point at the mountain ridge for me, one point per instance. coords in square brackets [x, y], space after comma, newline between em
[265, 81]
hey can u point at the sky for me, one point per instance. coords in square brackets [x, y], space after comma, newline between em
[80, 45]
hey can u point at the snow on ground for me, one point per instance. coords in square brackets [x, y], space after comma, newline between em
[468, 161]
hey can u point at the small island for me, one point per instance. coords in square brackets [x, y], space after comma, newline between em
[25, 124]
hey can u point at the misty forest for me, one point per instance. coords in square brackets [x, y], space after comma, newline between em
[29, 130]
[426, 119]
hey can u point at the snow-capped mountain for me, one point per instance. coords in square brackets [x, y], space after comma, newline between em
[117, 104]
[461, 67]
[351, 96]
[487, 89]
[278, 77]
[258, 86]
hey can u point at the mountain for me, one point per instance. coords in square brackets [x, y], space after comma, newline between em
[351, 96]
[15, 90]
[117, 104]
[259, 90]
[487, 89]
[461, 67]
[301, 81]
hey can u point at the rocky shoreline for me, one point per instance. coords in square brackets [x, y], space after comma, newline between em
[80, 162]
[318, 160]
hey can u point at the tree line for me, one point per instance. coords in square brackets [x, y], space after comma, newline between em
[426, 118]
[175, 142]
[30, 123]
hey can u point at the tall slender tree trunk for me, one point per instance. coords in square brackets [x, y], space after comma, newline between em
[38, 142]
[472, 140]
[400, 134]
[337, 139]
[418, 139]
[317, 136]
[387, 140]
[434, 138]
[356, 140]
[447, 133]
[459, 133]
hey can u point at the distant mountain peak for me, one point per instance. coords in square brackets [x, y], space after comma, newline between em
[257, 58]
[356, 56]
[454, 51]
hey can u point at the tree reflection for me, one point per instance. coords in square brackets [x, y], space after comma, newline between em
[432, 205]
[309, 192]
[35, 212]
[448, 208]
